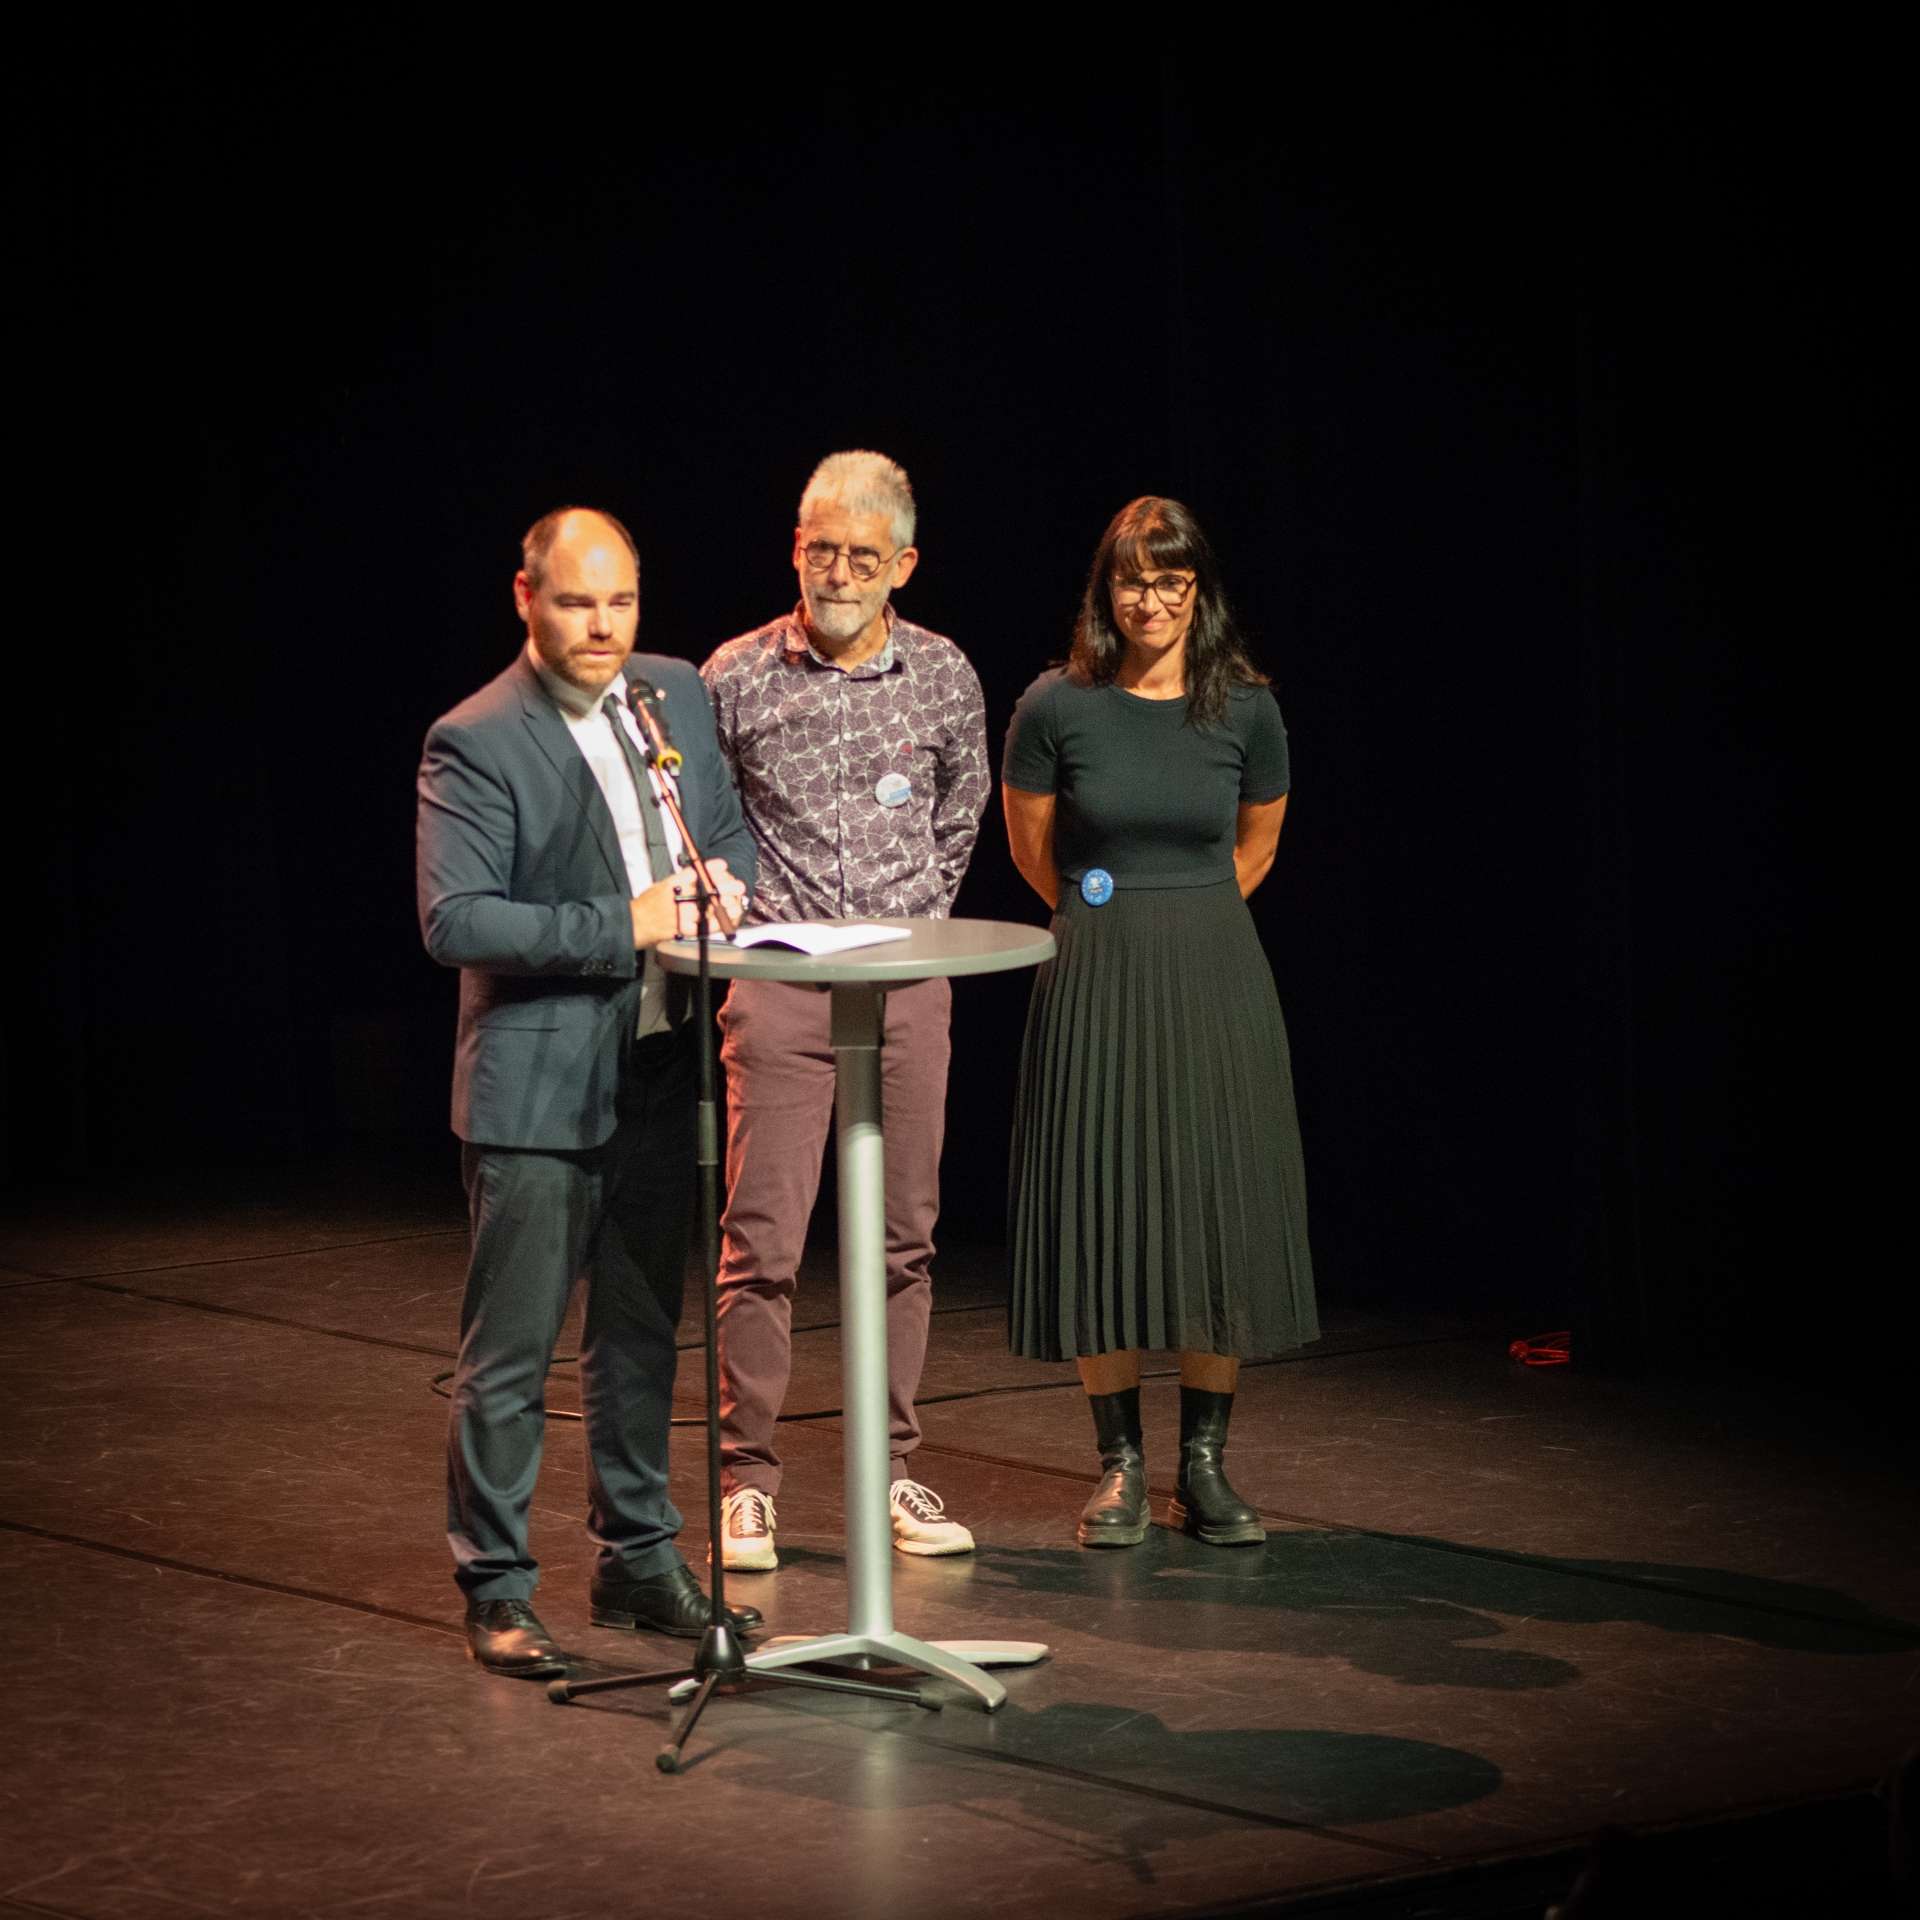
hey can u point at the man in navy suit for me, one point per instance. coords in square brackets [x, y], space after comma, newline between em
[547, 872]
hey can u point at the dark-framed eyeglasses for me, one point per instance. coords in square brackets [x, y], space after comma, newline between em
[1170, 589]
[862, 562]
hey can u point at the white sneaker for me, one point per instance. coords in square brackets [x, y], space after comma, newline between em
[746, 1532]
[920, 1523]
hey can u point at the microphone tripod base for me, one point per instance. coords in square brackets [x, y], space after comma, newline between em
[721, 1656]
[721, 1660]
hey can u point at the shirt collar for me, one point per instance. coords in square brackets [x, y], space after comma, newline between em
[575, 702]
[797, 644]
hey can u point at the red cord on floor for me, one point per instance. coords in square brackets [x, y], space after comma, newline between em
[1543, 1350]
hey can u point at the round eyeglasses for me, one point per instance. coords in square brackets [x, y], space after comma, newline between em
[862, 562]
[1169, 589]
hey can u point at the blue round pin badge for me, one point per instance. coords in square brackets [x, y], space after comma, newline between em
[892, 789]
[1096, 886]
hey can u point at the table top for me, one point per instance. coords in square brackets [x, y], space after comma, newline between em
[931, 950]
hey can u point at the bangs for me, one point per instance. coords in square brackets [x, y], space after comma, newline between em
[1157, 539]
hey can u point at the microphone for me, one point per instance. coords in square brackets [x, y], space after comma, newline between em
[645, 703]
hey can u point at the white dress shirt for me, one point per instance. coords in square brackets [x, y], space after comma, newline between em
[587, 722]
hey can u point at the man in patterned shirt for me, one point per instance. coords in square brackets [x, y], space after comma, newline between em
[858, 743]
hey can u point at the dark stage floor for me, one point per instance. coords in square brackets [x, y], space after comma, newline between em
[1499, 1609]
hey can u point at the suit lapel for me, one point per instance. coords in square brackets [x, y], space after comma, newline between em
[569, 763]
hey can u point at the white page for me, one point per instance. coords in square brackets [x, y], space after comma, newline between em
[817, 936]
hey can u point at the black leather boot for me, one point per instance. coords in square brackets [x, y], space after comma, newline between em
[1203, 1503]
[1116, 1516]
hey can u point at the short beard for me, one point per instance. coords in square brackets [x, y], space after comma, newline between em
[573, 672]
[839, 622]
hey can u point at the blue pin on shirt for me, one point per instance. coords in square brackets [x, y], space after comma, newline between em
[1096, 886]
[893, 789]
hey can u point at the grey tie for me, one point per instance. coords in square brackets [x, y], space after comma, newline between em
[658, 858]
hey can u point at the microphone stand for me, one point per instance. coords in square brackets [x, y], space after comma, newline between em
[720, 1659]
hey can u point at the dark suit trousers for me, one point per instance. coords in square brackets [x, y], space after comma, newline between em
[617, 1216]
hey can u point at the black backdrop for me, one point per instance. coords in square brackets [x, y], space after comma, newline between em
[1488, 343]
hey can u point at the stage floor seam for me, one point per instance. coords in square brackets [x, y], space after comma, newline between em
[114, 1288]
[250, 1259]
[262, 1319]
[117, 1290]
[229, 1578]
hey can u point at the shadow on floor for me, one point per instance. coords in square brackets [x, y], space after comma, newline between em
[1306, 1777]
[1416, 1610]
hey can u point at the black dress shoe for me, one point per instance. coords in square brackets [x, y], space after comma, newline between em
[506, 1636]
[667, 1603]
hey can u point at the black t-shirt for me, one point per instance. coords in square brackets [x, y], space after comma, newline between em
[1142, 794]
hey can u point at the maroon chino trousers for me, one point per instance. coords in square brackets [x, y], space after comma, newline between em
[776, 1044]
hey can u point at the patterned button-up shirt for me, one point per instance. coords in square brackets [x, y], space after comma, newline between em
[817, 753]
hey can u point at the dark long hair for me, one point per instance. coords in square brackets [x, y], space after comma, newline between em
[1156, 532]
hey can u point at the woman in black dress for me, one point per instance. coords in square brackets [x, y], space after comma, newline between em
[1157, 1197]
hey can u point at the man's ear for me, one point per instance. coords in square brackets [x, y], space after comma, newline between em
[522, 594]
[904, 563]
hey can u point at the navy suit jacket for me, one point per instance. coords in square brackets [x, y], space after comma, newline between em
[522, 887]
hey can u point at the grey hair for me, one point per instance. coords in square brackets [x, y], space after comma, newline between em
[864, 482]
[539, 538]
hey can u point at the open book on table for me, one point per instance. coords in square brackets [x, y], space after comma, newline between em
[817, 936]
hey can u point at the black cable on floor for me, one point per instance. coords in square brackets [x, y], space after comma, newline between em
[438, 1383]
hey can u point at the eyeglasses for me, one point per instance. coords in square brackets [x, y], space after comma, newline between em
[862, 562]
[1169, 589]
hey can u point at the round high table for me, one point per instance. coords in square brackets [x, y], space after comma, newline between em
[859, 980]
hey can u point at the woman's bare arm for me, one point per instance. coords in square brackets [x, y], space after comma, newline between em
[1256, 837]
[1030, 835]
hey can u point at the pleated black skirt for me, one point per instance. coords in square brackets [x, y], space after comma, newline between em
[1157, 1197]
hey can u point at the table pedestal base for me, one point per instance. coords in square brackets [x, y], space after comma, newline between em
[956, 1660]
